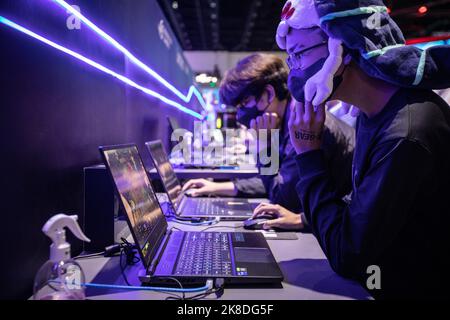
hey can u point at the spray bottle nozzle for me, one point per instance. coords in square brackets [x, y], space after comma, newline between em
[54, 229]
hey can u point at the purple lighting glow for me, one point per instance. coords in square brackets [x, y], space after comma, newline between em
[100, 67]
[186, 98]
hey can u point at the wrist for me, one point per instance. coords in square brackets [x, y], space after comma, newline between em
[301, 150]
[299, 222]
[305, 140]
[227, 189]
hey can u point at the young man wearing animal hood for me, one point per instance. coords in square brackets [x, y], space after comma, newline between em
[398, 214]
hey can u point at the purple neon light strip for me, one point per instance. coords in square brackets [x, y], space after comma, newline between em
[99, 67]
[186, 98]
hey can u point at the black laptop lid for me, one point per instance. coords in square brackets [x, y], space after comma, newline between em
[145, 218]
[165, 170]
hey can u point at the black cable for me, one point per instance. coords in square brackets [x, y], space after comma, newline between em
[108, 252]
[217, 291]
[93, 255]
[213, 227]
[172, 296]
[180, 285]
[122, 269]
[191, 222]
[128, 249]
[201, 295]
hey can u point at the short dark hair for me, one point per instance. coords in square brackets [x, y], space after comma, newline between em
[251, 75]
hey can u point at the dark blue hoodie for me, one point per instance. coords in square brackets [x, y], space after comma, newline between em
[399, 214]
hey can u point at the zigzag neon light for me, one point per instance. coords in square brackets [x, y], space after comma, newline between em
[186, 98]
[99, 67]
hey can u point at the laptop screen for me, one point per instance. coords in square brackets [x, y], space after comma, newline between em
[165, 170]
[139, 201]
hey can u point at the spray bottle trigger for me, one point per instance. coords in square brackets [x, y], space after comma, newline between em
[57, 223]
[76, 230]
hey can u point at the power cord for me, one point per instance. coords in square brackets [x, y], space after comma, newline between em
[218, 290]
[171, 215]
[109, 251]
[129, 250]
[214, 227]
[112, 250]
[190, 223]
[207, 287]
[87, 256]
[176, 297]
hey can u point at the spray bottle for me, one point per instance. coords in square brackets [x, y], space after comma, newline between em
[60, 278]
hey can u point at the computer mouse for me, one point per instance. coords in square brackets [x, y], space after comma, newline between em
[257, 223]
[188, 192]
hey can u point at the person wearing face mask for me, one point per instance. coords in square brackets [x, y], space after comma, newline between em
[396, 219]
[258, 87]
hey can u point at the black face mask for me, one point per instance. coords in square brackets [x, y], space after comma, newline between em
[337, 80]
[298, 78]
[245, 115]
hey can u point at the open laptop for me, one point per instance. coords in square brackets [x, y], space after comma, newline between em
[183, 206]
[190, 257]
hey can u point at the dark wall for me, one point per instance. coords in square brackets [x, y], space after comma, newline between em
[56, 111]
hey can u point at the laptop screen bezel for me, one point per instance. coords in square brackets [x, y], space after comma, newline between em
[159, 144]
[146, 260]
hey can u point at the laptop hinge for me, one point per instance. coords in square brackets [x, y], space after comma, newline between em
[157, 257]
[180, 205]
[168, 209]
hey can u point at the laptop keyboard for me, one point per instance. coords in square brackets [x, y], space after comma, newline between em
[205, 253]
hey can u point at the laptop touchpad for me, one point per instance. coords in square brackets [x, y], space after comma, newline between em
[255, 255]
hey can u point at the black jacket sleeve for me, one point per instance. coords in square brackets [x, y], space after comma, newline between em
[250, 188]
[353, 236]
[280, 187]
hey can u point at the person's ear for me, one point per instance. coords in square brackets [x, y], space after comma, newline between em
[270, 93]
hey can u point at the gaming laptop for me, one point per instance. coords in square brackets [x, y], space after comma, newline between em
[190, 257]
[184, 206]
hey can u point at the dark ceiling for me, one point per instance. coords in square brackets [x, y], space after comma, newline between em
[249, 25]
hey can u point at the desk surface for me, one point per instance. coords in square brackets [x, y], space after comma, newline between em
[185, 174]
[306, 271]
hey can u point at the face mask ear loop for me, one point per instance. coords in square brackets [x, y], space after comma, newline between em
[347, 59]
